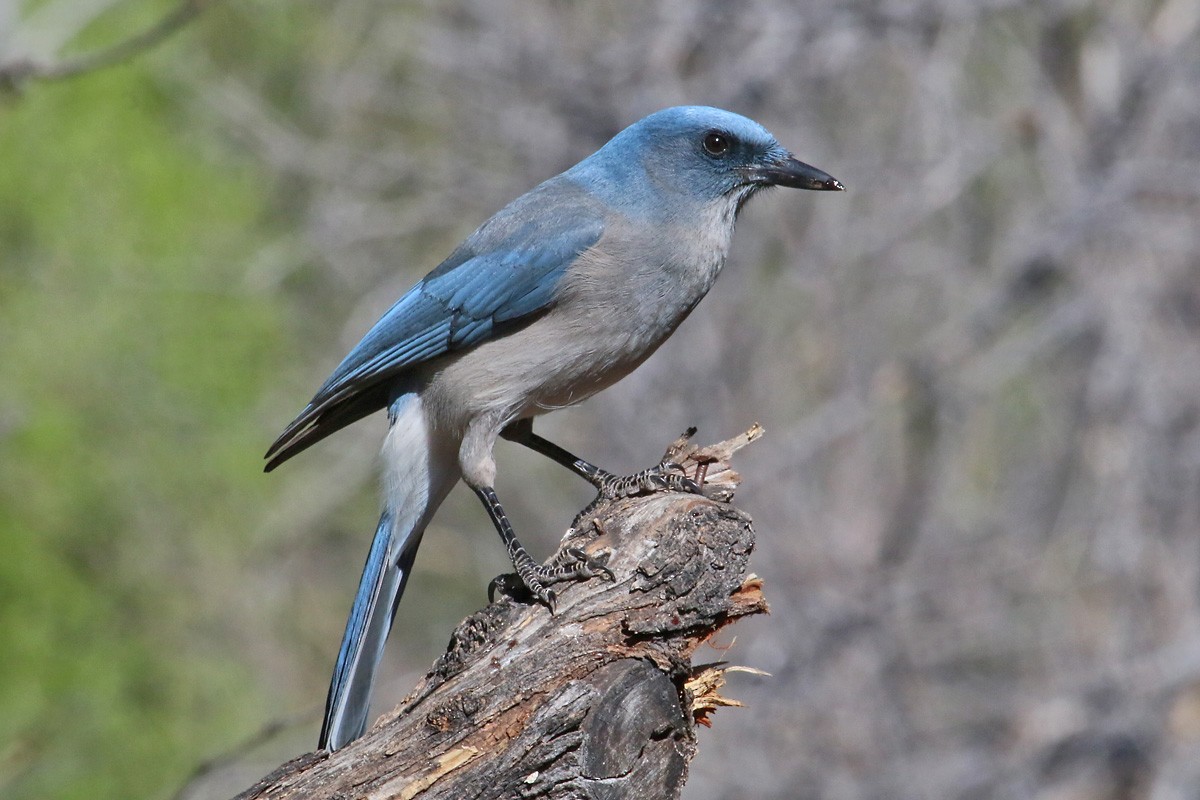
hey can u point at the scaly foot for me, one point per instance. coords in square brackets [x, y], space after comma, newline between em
[572, 564]
[665, 477]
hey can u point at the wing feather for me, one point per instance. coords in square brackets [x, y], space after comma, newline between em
[506, 272]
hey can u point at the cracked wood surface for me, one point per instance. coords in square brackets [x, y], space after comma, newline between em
[598, 701]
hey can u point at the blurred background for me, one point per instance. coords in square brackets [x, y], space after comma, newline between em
[978, 502]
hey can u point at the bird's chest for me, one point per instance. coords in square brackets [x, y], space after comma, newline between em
[675, 272]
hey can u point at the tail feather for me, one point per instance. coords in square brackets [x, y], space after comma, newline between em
[379, 590]
[420, 468]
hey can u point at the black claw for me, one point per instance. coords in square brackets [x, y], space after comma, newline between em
[583, 567]
[532, 580]
[507, 585]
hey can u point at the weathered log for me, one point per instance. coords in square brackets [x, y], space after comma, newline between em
[600, 699]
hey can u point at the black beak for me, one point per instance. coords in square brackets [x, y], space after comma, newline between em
[797, 175]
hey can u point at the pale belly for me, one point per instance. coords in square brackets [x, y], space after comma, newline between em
[553, 363]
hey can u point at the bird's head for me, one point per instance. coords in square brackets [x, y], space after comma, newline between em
[700, 153]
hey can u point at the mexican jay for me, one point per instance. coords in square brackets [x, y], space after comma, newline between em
[563, 292]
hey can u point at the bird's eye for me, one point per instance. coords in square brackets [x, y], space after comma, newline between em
[716, 144]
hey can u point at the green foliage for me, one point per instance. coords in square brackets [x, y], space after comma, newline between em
[132, 354]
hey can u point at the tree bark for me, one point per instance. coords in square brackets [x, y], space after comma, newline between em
[599, 700]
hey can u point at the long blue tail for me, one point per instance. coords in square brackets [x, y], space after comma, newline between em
[367, 630]
[420, 469]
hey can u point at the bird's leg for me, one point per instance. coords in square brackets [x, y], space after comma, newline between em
[666, 476]
[574, 566]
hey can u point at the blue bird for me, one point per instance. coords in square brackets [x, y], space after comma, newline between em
[562, 293]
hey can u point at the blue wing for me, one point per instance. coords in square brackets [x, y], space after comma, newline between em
[504, 274]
